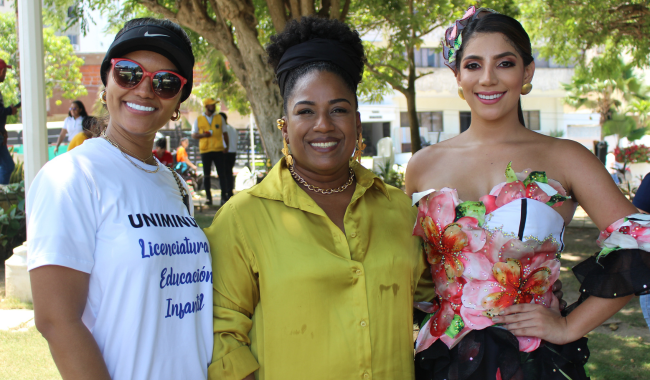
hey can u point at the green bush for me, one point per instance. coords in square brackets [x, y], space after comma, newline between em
[13, 227]
[391, 176]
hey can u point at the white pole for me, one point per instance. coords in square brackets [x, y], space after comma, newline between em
[32, 80]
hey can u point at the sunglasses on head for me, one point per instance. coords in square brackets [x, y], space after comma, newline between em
[129, 74]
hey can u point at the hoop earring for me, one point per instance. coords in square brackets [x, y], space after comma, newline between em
[360, 147]
[460, 93]
[281, 123]
[176, 115]
[102, 96]
[526, 89]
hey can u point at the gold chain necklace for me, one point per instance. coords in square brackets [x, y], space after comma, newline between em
[317, 189]
[121, 149]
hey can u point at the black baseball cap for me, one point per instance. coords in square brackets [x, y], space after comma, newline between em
[158, 39]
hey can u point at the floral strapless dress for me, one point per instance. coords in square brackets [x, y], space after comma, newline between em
[503, 250]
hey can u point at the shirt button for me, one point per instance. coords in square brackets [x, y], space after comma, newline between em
[358, 272]
[353, 235]
[363, 323]
[366, 375]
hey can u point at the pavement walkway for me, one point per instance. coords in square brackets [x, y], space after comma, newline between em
[16, 320]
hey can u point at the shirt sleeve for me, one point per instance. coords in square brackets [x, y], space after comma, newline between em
[195, 127]
[236, 293]
[61, 218]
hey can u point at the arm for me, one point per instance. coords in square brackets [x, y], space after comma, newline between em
[60, 295]
[591, 185]
[226, 139]
[195, 131]
[236, 294]
[62, 135]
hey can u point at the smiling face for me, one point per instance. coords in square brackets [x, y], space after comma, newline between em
[491, 75]
[139, 111]
[322, 124]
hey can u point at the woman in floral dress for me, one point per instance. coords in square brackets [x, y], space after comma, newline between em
[495, 255]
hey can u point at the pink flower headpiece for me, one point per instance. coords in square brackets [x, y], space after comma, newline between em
[454, 34]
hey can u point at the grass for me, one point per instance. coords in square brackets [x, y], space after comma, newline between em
[620, 358]
[25, 355]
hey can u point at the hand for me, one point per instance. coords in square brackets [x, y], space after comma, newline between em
[207, 134]
[537, 321]
[557, 291]
[14, 110]
[56, 149]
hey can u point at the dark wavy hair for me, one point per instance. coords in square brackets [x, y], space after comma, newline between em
[82, 108]
[510, 28]
[308, 28]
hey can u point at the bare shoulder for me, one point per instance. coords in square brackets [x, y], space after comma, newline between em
[424, 161]
[572, 152]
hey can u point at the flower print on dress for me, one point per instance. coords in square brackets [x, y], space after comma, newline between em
[631, 232]
[447, 233]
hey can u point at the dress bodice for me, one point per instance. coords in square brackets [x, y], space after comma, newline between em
[527, 219]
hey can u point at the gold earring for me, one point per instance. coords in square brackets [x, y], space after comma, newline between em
[526, 89]
[176, 115]
[460, 93]
[286, 153]
[360, 147]
[285, 150]
[102, 96]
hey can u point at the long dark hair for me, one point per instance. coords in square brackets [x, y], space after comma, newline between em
[82, 109]
[511, 29]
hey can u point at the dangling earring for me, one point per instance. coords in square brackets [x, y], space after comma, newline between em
[460, 93]
[281, 123]
[176, 115]
[102, 96]
[526, 89]
[360, 147]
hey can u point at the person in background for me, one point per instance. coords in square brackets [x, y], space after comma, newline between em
[208, 129]
[642, 203]
[232, 138]
[85, 134]
[72, 125]
[7, 164]
[181, 154]
[162, 154]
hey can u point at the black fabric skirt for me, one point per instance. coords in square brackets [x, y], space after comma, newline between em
[481, 354]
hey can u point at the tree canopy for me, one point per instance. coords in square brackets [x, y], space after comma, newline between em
[62, 66]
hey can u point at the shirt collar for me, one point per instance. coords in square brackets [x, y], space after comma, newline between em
[279, 185]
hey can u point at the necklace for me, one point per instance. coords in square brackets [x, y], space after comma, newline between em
[121, 149]
[316, 189]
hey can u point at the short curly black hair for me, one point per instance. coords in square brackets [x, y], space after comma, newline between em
[308, 28]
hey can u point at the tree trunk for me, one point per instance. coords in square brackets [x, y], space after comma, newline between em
[416, 142]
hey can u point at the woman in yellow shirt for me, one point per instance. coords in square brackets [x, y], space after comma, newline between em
[315, 268]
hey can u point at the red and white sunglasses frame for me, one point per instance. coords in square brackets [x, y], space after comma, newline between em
[146, 74]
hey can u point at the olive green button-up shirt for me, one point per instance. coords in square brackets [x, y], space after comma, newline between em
[296, 298]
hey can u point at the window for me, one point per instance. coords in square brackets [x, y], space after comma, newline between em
[427, 57]
[531, 118]
[541, 62]
[432, 121]
[465, 120]
[73, 38]
[71, 11]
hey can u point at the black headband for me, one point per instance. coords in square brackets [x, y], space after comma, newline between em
[158, 39]
[319, 50]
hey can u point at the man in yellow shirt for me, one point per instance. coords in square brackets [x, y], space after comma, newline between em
[208, 129]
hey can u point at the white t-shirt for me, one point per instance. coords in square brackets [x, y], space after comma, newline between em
[73, 126]
[149, 303]
[233, 138]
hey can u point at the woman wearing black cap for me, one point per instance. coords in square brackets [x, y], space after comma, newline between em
[120, 270]
[322, 266]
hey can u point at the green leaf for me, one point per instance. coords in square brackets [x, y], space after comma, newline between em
[511, 176]
[556, 199]
[536, 176]
[455, 327]
[471, 208]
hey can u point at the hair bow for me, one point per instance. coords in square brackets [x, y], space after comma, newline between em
[454, 35]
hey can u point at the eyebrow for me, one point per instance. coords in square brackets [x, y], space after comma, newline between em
[333, 101]
[478, 57]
